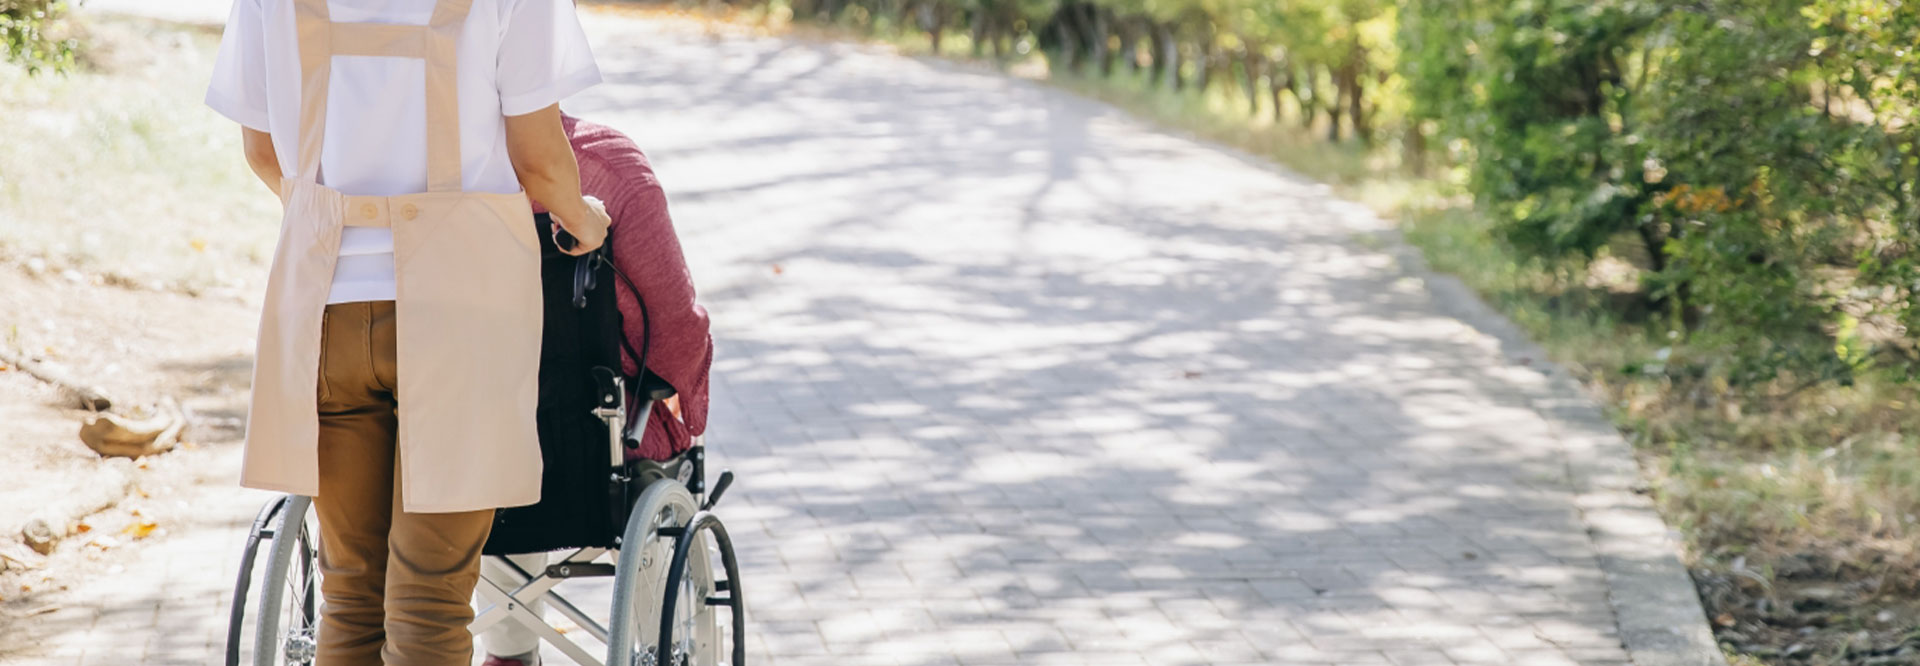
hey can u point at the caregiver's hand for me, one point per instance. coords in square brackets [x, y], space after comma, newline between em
[587, 223]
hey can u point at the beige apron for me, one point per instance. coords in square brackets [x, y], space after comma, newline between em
[467, 306]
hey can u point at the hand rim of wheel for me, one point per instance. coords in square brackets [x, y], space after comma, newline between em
[689, 549]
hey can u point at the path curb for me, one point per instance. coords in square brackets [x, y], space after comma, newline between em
[1654, 601]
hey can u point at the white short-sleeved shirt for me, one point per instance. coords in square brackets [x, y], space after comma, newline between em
[515, 57]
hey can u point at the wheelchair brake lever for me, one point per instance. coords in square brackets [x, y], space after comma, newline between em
[719, 488]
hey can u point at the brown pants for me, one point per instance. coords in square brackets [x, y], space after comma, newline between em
[396, 585]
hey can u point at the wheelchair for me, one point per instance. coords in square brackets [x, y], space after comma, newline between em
[647, 524]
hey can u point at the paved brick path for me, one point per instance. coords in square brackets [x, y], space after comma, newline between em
[1010, 378]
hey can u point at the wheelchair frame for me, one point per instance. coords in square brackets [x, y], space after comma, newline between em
[679, 581]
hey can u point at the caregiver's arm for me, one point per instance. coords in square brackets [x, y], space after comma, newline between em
[543, 159]
[260, 156]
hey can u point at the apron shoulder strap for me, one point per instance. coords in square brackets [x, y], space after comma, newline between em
[443, 96]
[437, 43]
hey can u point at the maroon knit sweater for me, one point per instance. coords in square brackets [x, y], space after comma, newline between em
[645, 248]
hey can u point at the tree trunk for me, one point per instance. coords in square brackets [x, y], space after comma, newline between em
[1356, 92]
[1128, 54]
[1416, 142]
[1203, 76]
[1252, 65]
[1274, 87]
[1155, 50]
[1357, 111]
[1307, 92]
[1280, 78]
[977, 29]
[999, 41]
[1171, 49]
[1333, 105]
[1101, 55]
[934, 18]
[1069, 47]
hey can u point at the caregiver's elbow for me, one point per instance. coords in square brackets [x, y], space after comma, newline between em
[261, 157]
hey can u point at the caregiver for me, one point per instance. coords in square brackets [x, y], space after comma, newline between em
[399, 339]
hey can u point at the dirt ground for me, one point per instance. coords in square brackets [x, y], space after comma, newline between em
[1816, 610]
[140, 346]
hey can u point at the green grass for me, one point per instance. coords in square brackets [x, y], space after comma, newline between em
[117, 171]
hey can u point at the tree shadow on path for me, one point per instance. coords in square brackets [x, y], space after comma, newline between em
[1010, 378]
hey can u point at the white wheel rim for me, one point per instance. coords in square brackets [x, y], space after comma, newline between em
[634, 632]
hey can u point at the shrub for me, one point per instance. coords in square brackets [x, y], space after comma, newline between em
[28, 29]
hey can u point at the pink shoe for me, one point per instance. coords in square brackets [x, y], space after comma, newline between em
[528, 659]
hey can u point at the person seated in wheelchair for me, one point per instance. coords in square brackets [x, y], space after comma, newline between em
[678, 348]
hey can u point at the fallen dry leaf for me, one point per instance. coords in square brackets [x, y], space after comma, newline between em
[82, 528]
[141, 529]
[1724, 620]
[199, 245]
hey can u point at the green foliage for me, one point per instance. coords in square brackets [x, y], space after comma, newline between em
[1761, 152]
[26, 32]
[1539, 91]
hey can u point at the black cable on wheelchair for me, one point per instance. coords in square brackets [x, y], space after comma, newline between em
[646, 328]
[605, 254]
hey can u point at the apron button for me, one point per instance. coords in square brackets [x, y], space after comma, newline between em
[409, 211]
[369, 211]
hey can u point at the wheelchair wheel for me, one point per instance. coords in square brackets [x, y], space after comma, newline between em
[273, 617]
[640, 587]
